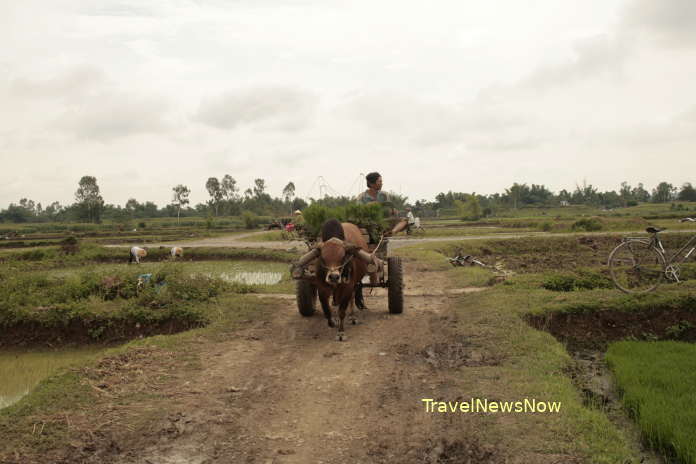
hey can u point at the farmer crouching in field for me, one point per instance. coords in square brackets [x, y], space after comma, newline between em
[136, 253]
[177, 252]
[374, 194]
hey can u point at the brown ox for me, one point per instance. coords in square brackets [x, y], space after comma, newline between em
[339, 272]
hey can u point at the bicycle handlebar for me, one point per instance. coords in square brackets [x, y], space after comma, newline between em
[688, 220]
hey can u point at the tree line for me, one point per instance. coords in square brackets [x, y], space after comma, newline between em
[524, 196]
[226, 200]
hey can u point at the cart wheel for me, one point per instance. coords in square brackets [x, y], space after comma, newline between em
[306, 298]
[396, 285]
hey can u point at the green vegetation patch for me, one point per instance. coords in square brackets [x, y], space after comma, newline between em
[582, 279]
[588, 225]
[371, 215]
[54, 257]
[95, 306]
[657, 383]
[270, 236]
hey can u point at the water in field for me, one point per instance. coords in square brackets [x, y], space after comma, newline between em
[21, 371]
[253, 278]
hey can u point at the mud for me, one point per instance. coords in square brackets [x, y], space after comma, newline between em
[596, 329]
[81, 332]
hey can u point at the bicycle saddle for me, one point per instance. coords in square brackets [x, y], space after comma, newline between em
[654, 230]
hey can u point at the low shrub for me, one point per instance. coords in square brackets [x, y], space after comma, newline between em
[250, 220]
[580, 280]
[588, 225]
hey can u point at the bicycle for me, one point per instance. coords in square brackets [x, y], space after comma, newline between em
[639, 265]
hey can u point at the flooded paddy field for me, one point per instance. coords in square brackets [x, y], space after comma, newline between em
[54, 316]
[22, 370]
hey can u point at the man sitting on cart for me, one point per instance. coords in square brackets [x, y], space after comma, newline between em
[374, 194]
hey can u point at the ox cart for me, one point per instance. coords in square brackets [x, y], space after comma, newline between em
[389, 272]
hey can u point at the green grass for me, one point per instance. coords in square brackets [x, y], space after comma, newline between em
[269, 236]
[668, 297]
[534, 363]
[657, 381]
[533, 366]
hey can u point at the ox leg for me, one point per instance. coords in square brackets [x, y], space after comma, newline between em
[359, 298]
[324, 300]
[351, 311]
[341, 335]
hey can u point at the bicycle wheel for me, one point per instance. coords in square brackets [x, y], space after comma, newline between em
[636, 267]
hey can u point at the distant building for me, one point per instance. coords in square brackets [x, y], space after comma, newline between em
[564, 203]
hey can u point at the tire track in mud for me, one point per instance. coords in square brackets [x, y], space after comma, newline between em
[284, 391]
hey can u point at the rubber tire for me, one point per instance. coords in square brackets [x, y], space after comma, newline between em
[306, 298]
[395, 281]
[610, 264]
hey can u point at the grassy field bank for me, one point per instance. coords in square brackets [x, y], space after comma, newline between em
[559, 286]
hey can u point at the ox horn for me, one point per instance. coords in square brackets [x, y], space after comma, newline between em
[307, 257]
[374, 264]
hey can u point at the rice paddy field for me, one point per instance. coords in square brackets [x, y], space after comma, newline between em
[545, 319]
[61, 307]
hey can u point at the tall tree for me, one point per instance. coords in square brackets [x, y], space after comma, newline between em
[215, 191]
[625, 193]
[132, 207]
[229, 187]
[181, 193]
[640, 194]
[259, 187]
[687, 192]
[517, 194]
[89, 199]
[289, 192]
[664, 193]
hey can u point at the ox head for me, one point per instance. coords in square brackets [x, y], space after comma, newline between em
[336, 256]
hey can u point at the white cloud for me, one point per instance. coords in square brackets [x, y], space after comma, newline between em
[270, 108]
[671, 22]
[74, 83]
[108, 116]
[456, 95]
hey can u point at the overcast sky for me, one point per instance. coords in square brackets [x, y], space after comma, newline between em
[449, 95]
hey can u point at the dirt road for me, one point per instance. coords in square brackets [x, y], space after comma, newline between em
[394, 243]
[286, 392]
[282, 390]
[233, 241]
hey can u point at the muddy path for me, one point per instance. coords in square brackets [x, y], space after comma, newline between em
[232, 241]
[282, 390]
[235, 241]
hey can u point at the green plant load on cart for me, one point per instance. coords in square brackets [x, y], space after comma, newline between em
[370, 216]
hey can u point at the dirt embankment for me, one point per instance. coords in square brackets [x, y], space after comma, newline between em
[595, 330]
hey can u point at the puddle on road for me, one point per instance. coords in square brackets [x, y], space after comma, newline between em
[21, 371]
